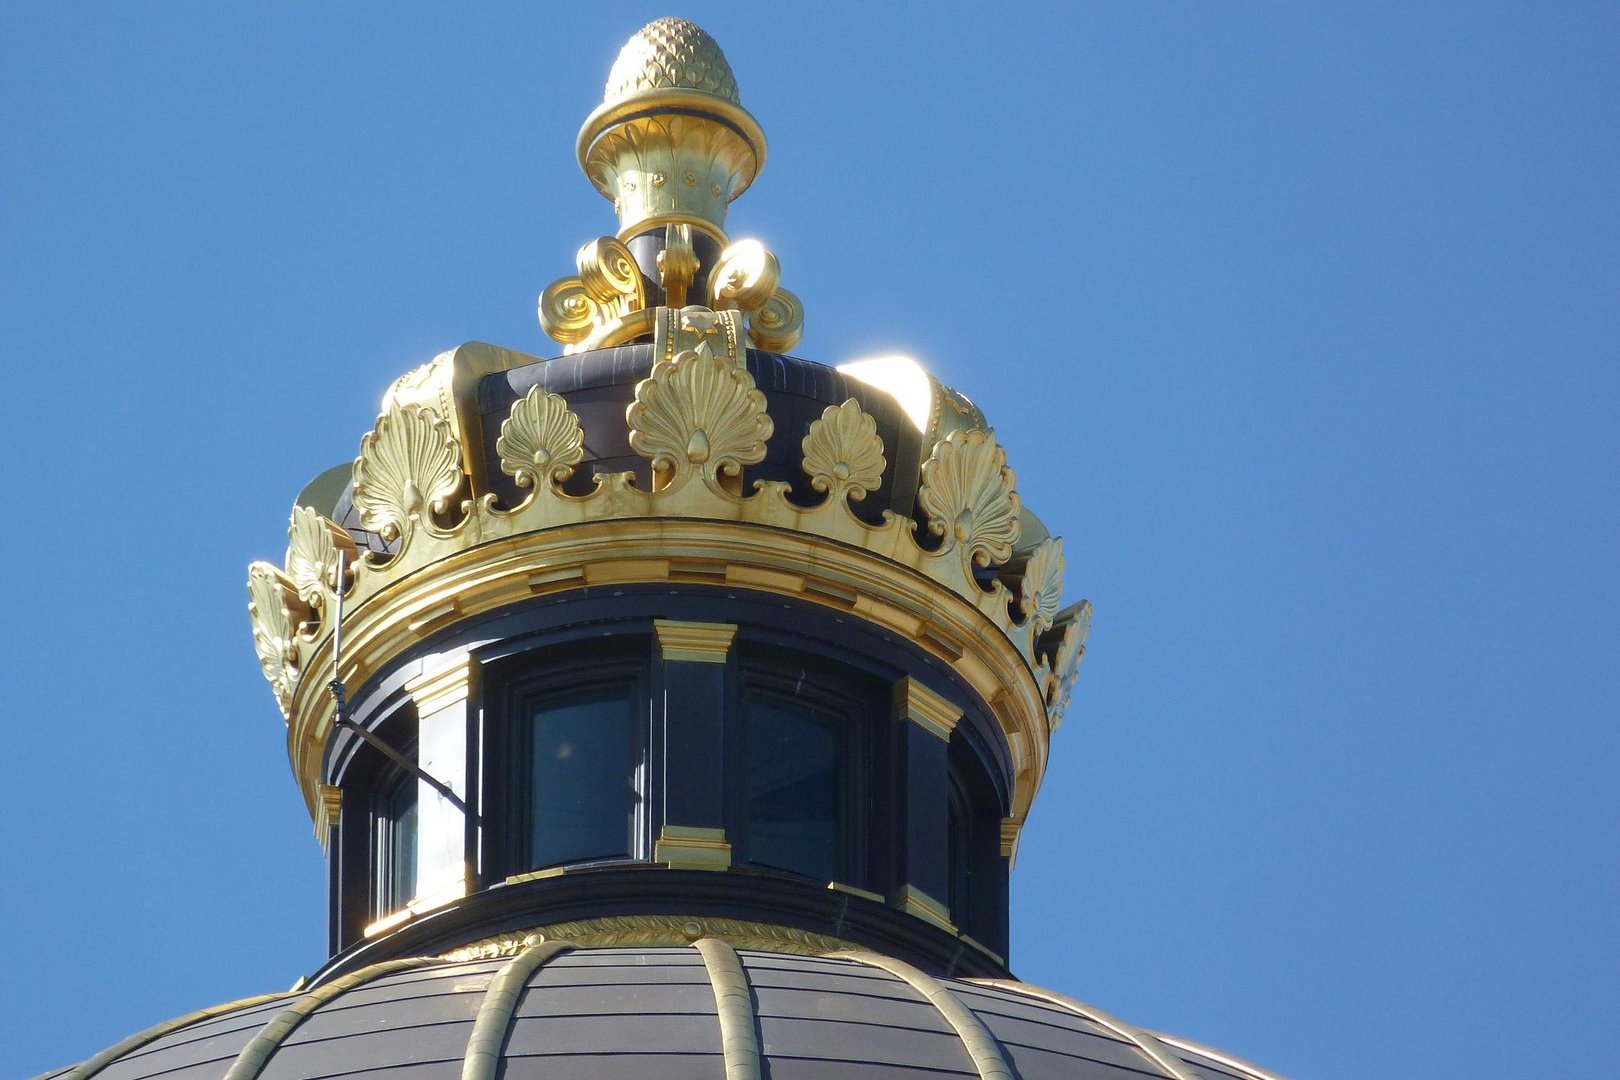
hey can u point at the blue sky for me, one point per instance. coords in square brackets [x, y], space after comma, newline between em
[1299, 323]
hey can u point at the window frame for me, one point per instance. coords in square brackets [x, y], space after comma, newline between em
[856, 704]
[519, 687]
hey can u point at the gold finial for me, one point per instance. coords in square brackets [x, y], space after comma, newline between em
[670, 143]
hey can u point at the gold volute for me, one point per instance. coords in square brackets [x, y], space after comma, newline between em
[670, 143]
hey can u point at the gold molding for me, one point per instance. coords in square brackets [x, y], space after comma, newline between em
[913, 901]
[441, 689]
[694, 642]
[919, 705]
[654, 931]
[689, 847]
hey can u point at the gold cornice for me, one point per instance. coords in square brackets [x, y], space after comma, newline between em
[328, 811]
[919, 705]
[694, 642]
[774, 561]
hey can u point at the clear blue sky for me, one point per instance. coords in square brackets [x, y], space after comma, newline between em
[1300, 323]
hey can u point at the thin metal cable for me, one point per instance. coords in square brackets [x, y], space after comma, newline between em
[1149, 1047]
[256, 1054]
[86, 1069]
[981, 1046]
[734, 1002]
[494, 1020]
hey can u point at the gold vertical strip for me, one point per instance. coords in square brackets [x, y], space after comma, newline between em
[1146, 1044]
[981, 1046]
[256, 1054]
[86, 1069]
[483, 1058]
[734, 1002]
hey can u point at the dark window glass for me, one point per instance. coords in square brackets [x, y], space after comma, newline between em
[793, 787]
[960, 839]
[584, 791]
[396, 846]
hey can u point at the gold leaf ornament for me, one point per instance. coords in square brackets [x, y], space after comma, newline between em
[541, 438]
[409, 464]
[843, 453]
[969, 498]
[313, 544]
[745, 276]
[699, 409]
[268, 592]
[1066, 664]
[1042, 588]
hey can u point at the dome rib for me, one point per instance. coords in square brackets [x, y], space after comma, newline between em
[1224, 1060]
[494, 1020]
[988, 1057]
[86, 1069]
[256, 1054]
[734, 1002]
[1149, 1046]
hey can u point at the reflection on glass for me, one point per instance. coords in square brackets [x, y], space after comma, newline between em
[398, 848]
[584, 800]
[792, 788]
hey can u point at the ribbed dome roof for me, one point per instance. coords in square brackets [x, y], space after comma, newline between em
[652, 1013]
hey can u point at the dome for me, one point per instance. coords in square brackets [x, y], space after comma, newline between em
[703, 1010]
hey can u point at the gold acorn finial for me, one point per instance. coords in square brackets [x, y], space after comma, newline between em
[670, 143]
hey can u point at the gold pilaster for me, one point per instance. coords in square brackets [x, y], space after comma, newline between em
[913, 901]
[916, 703]
[694, 642]
[328, 811]
[442, 689]
[687, 847]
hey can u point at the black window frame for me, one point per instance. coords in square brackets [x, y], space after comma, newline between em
[856, 704]
[518, 686]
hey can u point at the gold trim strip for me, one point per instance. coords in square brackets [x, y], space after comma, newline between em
[734, 1003]
[1220, 1057]
[86, 1069]
[923, 707]
[482, 1060]
[839, 886]
[981, 1046]
[256, 1054]
[694, 642]
[1146, 1044]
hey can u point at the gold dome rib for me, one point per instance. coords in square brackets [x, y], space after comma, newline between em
[482, 1060]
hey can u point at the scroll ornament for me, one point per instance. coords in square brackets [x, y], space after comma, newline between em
[746, 278]
[843, 453]
[268, 594]
[541, 439]
[968, 495]
[409, 468]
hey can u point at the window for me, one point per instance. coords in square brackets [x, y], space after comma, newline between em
[394, 844]
[794, 816]
[584, 776]
[805, 736]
